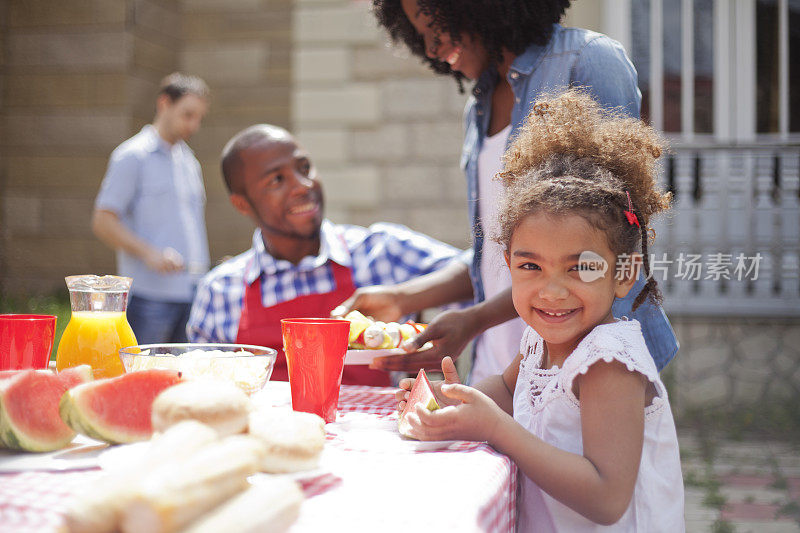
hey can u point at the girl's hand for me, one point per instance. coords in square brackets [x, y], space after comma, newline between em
[450, 376]
[475, 417]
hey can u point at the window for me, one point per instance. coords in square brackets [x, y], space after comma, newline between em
[725, 67]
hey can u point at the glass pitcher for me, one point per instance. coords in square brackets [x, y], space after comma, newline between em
[98, 327]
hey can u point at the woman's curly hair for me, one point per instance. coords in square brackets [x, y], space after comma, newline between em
[572, 156]
[510, 24]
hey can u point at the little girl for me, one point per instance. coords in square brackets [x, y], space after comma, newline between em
[581, 410]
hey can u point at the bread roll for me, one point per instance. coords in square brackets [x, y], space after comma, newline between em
[97, 507]
[270, 506]
[219, 404]
[168, 498]
[293, 440]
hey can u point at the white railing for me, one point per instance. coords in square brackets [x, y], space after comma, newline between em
[731, 244]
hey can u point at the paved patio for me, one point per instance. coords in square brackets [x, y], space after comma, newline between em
[742, 486]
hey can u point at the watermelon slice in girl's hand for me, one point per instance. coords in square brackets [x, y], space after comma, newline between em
[422, 394]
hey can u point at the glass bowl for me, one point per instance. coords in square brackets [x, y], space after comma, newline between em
[246, 365]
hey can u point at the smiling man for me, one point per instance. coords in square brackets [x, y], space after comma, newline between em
[300, 264]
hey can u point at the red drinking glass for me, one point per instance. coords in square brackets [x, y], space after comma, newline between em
[26, 341]
[315, 349]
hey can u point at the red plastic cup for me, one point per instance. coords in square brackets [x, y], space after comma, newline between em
[315, 349]
[26, 341]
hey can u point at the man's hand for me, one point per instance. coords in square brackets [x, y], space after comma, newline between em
[164, 261]
[450, 377]
[381, 302]
[449, 332]
[109, 229]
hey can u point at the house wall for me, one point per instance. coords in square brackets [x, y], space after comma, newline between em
[242, 48]
[77, 79]
[384, 132]
[72, 77]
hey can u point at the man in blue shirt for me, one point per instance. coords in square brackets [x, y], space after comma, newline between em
[151, 211]
[514, 53]
[301, 264]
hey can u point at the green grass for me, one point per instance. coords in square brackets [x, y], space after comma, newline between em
[57, 305]
[722, 526]
[790, 509]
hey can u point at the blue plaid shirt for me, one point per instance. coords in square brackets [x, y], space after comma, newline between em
[381, 254]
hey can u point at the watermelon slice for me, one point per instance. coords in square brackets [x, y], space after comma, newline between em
[75, 375]
[422, 394]
[69, 376]
[29, 417]
[116, 410]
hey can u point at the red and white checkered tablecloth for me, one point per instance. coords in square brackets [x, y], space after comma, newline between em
[368, 480]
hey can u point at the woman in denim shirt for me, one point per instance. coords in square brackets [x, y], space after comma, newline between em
[515, 51]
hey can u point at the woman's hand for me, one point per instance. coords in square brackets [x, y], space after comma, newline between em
[473, 417]
[449, 332]
[381, 302]
[450, 377]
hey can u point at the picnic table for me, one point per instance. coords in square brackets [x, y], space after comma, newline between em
[369, 479]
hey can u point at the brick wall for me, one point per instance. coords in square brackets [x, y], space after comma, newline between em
[384, 131]
[76, 79]
[69, 71]
[242, 48]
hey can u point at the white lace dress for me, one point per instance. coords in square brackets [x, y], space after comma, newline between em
[545, 404]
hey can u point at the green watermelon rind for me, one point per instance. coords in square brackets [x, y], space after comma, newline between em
[15, 438]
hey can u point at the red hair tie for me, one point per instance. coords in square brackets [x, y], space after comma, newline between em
[629, 214]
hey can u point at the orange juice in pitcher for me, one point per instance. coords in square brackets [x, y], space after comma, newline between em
[98, 327]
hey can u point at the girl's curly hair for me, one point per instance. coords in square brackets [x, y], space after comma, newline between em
[510, 24]
[572, 156]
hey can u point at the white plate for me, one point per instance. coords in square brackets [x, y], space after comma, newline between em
[82, 453]
[118, 457]
[365, 357]
[365, 431]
